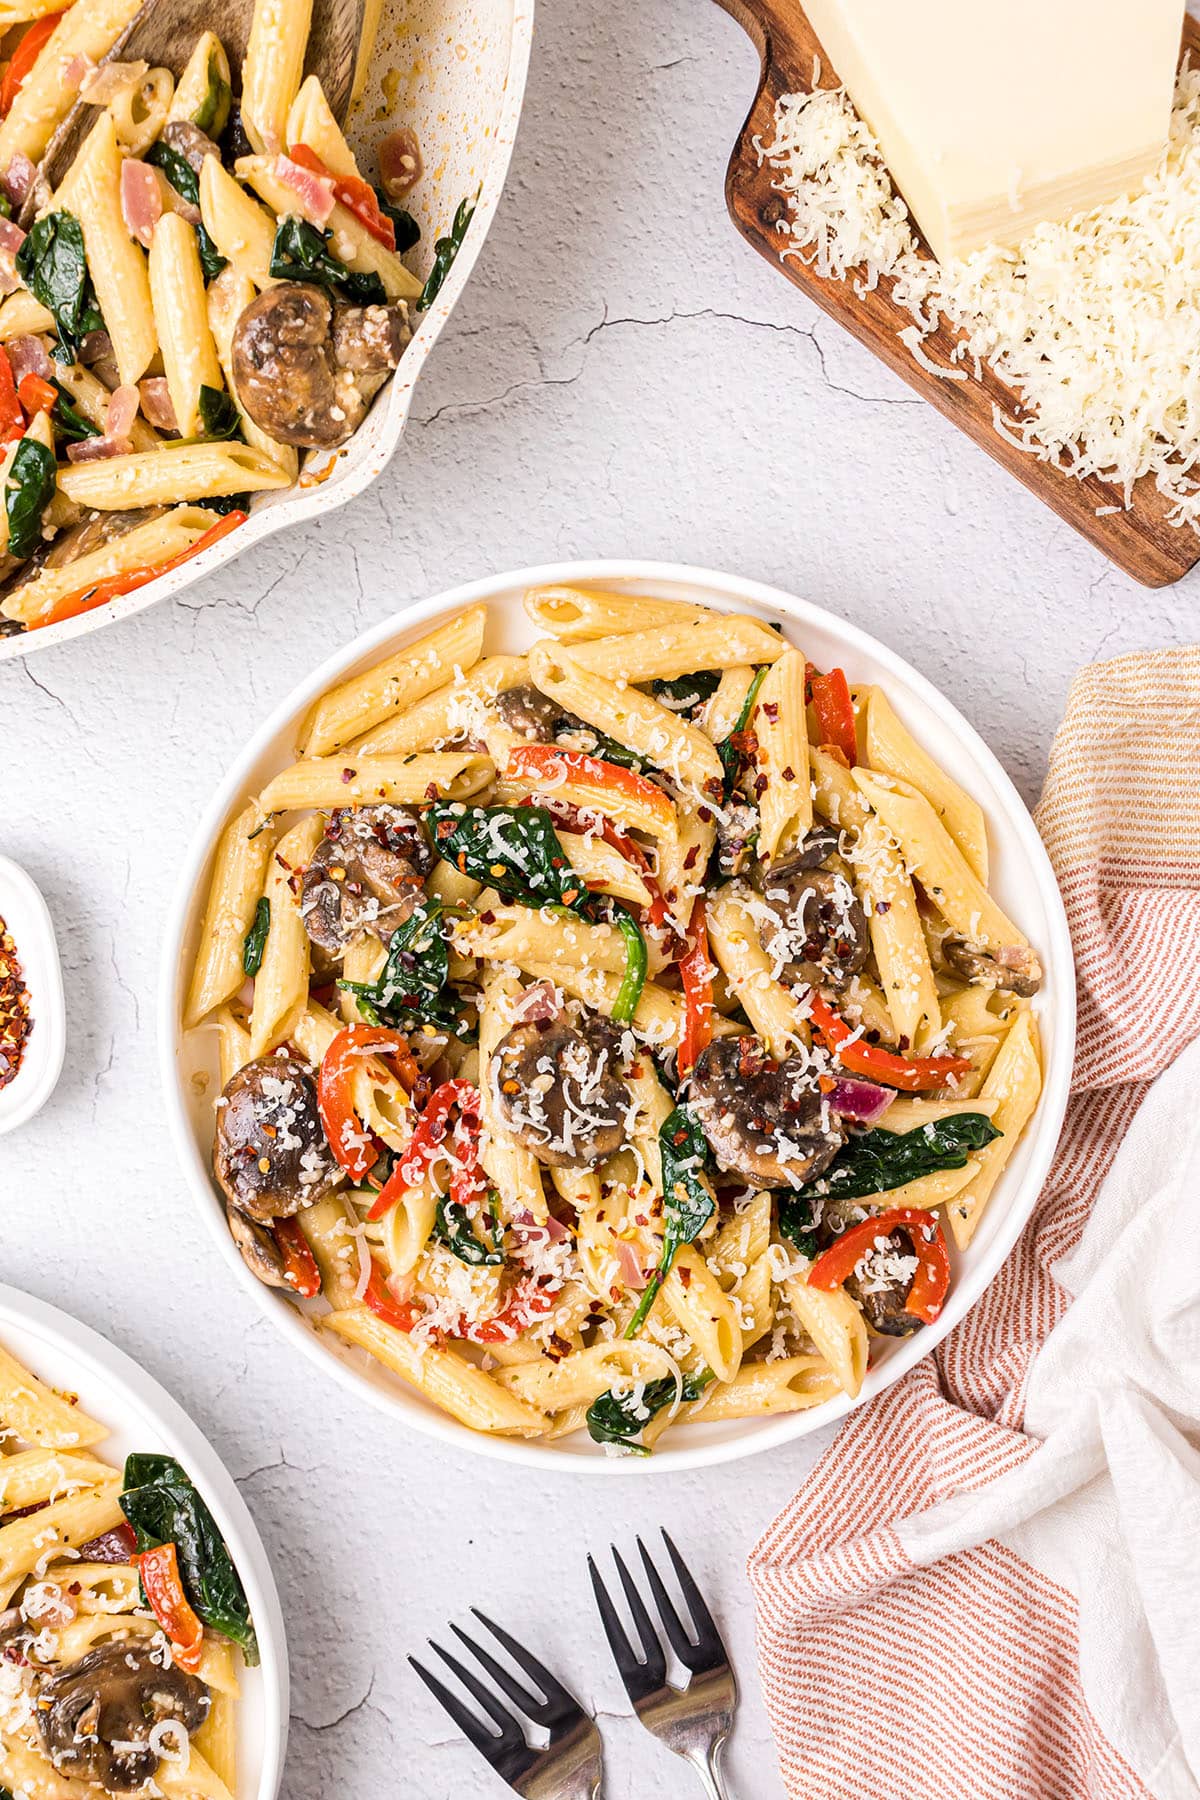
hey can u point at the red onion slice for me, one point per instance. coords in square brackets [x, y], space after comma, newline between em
[861, 1101]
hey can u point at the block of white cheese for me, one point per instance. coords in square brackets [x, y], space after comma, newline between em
[994, 115]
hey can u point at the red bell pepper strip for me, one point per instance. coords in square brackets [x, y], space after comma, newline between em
[24, 57]
[429, 1134]
[37, 395]
[401, 1315]
[911, 1074]
[101, 592]
[835, 712]
[355, 194]
[529, 761]
[355, 1148]
[12, 419]
[300, 1269]
[924, 1232]
[163, 1588]
[695, 971]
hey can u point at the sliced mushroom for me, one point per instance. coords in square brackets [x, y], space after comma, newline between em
[1016, 969]
[559, 1092]
[368, 870]
[883, 1279]
[259, 1251]
[270, 1154]
[305, 370]
[96, 1716]
[737, 829]
[188, 141]
[817, 932]
[766, 1121]
[532, 713]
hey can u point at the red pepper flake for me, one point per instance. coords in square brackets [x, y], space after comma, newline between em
[349, 774]
[431, 793]
[16, 1021]
[689, 861]
[789, 774]
[771, 710]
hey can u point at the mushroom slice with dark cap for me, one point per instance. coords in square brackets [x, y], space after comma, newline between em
[259, 1251]
[816, 930]
[1016, 969]
[368, 870]
[96, 1717]
[766, 1121]
[559, 1091]
[883, 1278]
[532, 713]
[187, 140]
[306, 370]
[270, 1154]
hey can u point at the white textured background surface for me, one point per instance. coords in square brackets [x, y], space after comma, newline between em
[622, 376]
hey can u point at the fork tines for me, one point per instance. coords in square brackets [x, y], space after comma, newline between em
[646, 1674]
[502, 1741]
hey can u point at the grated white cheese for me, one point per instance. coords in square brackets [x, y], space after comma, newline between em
[1093, 321]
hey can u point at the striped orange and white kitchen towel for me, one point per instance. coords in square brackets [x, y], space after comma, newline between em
[989, 1587]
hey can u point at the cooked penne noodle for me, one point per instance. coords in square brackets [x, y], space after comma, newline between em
[311, 122]
[669, 651]
[236, 884]
[331, 781]
[463, 708]
[892, 750]
[175, 472]
[118, 268]
[86, 31]
[575, 614]
[394, 685]
[242, 230]
[155, 541]
[181, 320]
[281, 985]
[1013, 1085]
[448, 1379]
[273, 69]
[785, 803]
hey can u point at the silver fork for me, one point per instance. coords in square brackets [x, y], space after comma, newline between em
[569, 1768]
[693, 1721]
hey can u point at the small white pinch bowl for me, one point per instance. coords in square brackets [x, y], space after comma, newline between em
[27, 918]
[142, 1416]
[1023, 882]
[456, 73]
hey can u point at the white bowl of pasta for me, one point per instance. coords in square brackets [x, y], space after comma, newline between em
[626, 1135]
[238, 345]
[91, 1443]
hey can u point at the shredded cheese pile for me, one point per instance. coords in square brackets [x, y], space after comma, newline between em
[1095, 321]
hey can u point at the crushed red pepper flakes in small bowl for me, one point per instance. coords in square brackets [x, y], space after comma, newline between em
[16, 1021]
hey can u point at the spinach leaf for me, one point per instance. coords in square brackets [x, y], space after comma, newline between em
[225, 503]
[184, 179]
[27, 493]
[52, 263]
[219, 417]
[618, 1419]
[878, 1160]
[729, 751]
[412, 988]
[164, 1508]
[444, 252]
[797, 1221]
[510, 848]
[408, 232]
[453, 1228]
[255, 940]
[301, 253]
[637, 963]
[688, 1202]
[686, 691]
[606, 748]
[69, 422]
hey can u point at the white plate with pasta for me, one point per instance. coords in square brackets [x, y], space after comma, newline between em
[567, 1071]
[216, 309]
[109, 1677]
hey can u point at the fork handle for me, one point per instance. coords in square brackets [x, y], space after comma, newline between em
[708, 1767]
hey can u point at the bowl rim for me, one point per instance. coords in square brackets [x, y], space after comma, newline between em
[37, 951]
[1042, 1135]
[107, 1369]
[297, 506]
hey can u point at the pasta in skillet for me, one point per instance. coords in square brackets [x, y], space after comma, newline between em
[616, 1034]
[122, 1617]
[207, 290]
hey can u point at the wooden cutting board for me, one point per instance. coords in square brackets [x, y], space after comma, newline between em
[1140, 541]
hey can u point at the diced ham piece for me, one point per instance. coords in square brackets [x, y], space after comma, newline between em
[630, 1267]
[18, 178]
[156, 403]
[141, 199]
[315, 192]
[11, 239]
[98, 449]
[103, 82]
[28, 357]
[122, 411]
[537, 1002]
